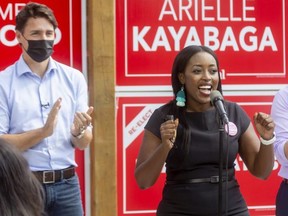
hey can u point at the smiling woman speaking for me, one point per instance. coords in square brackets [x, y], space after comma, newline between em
[189, 144]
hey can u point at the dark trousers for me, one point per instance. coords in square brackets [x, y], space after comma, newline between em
[282, 200]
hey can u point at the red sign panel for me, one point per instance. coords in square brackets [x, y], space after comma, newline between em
[133, 114]
[67, 49]
[251, 45]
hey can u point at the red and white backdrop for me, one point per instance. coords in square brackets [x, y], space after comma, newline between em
[251, 47]
[68, 48]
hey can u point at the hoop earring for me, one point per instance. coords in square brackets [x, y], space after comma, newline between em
[181, 98]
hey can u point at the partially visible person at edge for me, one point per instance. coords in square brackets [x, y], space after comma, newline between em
[44, 111]
[189, 145]
[21, 194]
[279, 112]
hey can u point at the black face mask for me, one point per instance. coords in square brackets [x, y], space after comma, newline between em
[39, 50]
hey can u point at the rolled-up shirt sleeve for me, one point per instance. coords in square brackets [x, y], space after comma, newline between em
[279, 113]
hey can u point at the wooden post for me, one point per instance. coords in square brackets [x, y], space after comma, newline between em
[100, 45]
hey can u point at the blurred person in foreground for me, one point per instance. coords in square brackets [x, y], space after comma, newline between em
[188, 145]
[21, 194]
[44, 111]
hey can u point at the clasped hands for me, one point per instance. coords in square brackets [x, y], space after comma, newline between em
[80, 123]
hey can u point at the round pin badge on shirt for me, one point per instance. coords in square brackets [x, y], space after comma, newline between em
[232, 129]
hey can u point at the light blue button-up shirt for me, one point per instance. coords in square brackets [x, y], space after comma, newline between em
[26, 100]
[279, 113]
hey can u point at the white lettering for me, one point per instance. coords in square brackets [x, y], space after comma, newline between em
[209, 10]
[58, 36]
[139, 38]
[247, 39]
[229, 40]
[7, 13]
[219, 18]
[246, 8]
[211, 35]
[164, 11]
[185, 9]
[267, 40]
[13, 42]
[206, 8]
[252, 39]
[192, 38]
[177, 36]
[3, 37]
[161, 40]
[232, 12]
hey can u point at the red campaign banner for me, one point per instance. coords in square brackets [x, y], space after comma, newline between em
[67, 49]
[251, 45]
[133, 114]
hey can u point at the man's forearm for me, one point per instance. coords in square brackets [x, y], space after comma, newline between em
[25, 140]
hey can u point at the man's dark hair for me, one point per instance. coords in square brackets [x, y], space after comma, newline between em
[34, 10]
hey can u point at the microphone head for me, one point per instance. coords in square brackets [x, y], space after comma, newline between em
[215, 96]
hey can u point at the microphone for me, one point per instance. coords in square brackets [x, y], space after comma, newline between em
[45, 106]
[217, 101]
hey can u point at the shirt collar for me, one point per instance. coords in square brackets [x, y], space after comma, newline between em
[23, 68]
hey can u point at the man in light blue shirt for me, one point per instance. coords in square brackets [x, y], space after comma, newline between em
[44, 111]
[279, 113]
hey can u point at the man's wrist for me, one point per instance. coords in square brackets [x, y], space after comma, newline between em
[80, 135]
[82, 131]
